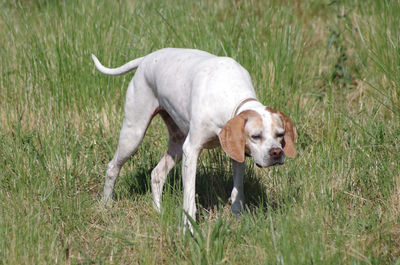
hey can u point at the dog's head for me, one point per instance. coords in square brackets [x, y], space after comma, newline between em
[265, 134]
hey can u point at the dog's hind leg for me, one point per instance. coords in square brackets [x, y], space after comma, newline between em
[140, 108]
[167, 162]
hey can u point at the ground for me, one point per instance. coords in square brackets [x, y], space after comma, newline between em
[331, 66]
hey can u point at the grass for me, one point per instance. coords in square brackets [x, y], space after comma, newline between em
[332, 66]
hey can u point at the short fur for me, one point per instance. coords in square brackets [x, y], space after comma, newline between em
[196, 93]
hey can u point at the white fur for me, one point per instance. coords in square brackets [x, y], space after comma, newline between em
[199, 91]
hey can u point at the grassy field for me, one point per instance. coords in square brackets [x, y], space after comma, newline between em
[332, 66]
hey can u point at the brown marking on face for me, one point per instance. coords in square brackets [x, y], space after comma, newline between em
[290, 137]
[275, 123]
[233, 136]
[256, 120]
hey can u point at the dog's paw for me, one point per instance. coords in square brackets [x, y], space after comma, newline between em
[237, 208]
[106, 202]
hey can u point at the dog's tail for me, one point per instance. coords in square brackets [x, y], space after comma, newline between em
[119, 70]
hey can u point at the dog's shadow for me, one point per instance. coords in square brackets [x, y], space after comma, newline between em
[214, 182]
[214, 185]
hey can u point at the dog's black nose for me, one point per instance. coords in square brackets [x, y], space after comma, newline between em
[276, 152]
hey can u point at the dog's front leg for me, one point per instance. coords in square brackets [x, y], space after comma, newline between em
[237, 195]
[189, 163]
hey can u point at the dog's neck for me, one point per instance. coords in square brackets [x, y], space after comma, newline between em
[246, 104]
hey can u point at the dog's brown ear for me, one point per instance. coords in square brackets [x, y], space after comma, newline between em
[232, 137]
[290, 137]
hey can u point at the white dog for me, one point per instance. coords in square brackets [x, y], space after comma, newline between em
[205, 101]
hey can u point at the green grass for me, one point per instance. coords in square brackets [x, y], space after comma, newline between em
[332, 66]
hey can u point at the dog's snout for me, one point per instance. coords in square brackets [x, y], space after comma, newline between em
[276, 152]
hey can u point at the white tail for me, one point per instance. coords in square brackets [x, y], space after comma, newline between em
[119, 70]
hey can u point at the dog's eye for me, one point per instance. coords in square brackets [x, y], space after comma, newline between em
[279, 135]
[256, 136]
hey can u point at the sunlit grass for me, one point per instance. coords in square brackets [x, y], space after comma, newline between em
[332, 66]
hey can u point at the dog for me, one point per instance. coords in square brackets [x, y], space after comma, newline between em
[206, 101]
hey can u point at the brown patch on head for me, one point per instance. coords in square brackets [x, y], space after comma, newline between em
[276, 122]
[290, 137]
[233, 136]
